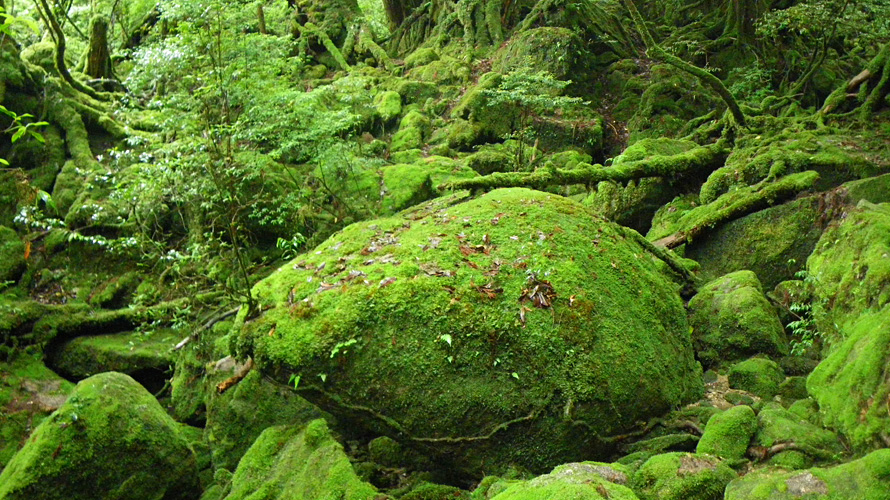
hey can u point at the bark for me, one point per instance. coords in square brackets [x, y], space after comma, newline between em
[98, 58]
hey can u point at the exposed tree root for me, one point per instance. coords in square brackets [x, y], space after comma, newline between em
[877, 74]
[699, 160]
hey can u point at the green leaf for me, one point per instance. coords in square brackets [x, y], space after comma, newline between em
[446, 338]
[515, 375]
[19, 133]
[4, 162]
[46, 198]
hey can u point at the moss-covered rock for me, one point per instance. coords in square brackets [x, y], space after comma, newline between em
[143, 356]
[12, 255]
[732, 319]
[555, 50]
[533, 337]
[865, 479]
[111, 439]
[774, 243]
[728, 434]
[778, 425]
[575, 481]
[759, 376]
[413, 129]
[491, 121]
[793, 388]
[297, 463]
[682, 476]
[29, 391]
[388, 105]
[446, 70]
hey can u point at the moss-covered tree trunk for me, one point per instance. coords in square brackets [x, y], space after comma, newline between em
[98, 63]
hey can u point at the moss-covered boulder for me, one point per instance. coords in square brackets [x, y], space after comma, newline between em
[865, 479]
[12, 256]
[728, 434]
[682, 476]
[732, 319]
[29, 392]
[759, 376]
[774, 243]
[811, 443]
[143, 356]
[111, 439]
[574, 481]
[297, 463]
[388, 105]
[555, 50]
[511, 328]
[413, 129]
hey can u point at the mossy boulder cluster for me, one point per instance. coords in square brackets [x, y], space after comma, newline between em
[513, 328]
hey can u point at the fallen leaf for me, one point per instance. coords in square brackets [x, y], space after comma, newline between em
[385, 282]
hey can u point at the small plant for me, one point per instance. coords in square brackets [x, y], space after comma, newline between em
[290, 248]
[803, 329]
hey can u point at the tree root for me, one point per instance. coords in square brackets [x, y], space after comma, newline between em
[764, 453]
[737, 204]
[699, 160]
[857, 88]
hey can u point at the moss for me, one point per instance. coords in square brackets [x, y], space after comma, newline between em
[297, 463]
[29, 392]
[728, 434]
[388, 105]
[413, 91]
[490, 160]
[851, 384]
[411, 313]
[555, 50]
[236, 417]
[774, 242]
[759, 376]
[874, 189]
[732, 319]
[113, 293]
[461, 134]
[682, 476]
[431, 491]
[575, 481]
[444, 71]
[850, 262]
[41, 54]
[413, 129]
[111, 439]
[421, 57]
[405, 185]
[12, 255]
[778, 425]
[128, 353]
[865, 479]
[793, 388]
[491, 121]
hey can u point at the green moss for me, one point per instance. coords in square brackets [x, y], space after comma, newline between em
[41, 54]
[297, 463]
[774, 242]
[123, 352]
[732, 319]
[728, 434]
[114, 292]
[778, 425]
[413, 129]
[405, 185]
[421, 57]
[682, 476]
[388, 105]
[491, 121]
[444, 71]
[851, 384]
[793, 388]
[12, 255]
[490, 160]
[428, 302]
[759, 376]
[111, 439]
[431, 491]
[865, 479]
[575, 481]
[873, 189]
[555, 50]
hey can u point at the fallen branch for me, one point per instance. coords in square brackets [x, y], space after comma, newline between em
[737, 204]
[239, 375]
[206, 326]
[701, 159]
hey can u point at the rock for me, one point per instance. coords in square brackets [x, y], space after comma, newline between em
[575, 481]
[728, 434]
[554, 50]
[732, 319]
[778, 425]
[866, 478]
[297, 463]
[388, 105]
[682, 476]
[111, 439]
[12, 256]
[793, 388]
[759, 376]
[413, 128]
[510, 328]
[773, 243]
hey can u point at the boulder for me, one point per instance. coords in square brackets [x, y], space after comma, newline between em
[732, 319]
[759, 376]
[728, 434]
[12, 256]
[297, 463]
[866, 478]
[111, 439]
[777, 425]
[514, 328]
[682, 476]
[575, 481]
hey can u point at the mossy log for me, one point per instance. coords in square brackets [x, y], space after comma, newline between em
[737, 204]
[698, 160]
[878, 71]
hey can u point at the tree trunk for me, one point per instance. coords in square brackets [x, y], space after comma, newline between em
[98, 58]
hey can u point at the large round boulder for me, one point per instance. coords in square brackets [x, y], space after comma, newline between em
[514, 328]
[111, 439]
